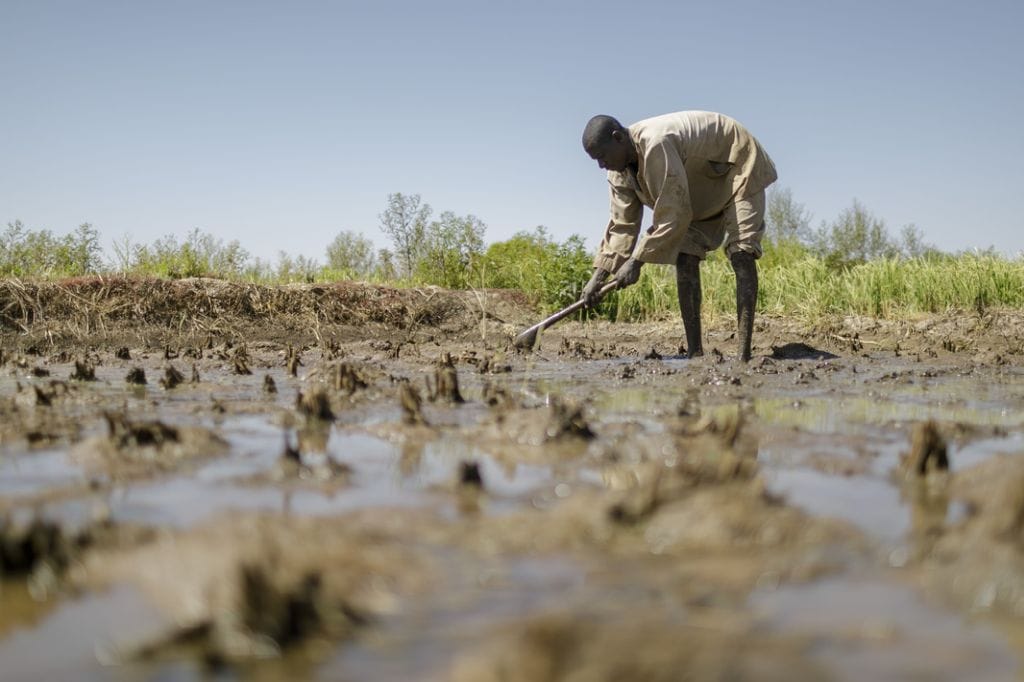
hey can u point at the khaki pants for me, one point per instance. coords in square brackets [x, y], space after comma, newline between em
[740, 225]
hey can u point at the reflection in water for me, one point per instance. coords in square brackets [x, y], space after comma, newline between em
[411, 458]
[881, 630]
[846, 414]
[18, 608]
[97, 628]
[313, 437]
[928, 499]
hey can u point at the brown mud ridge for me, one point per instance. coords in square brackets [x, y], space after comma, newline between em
[354, 482]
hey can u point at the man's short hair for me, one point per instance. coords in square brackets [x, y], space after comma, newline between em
[598, 131]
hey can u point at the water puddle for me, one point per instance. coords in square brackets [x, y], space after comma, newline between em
[80, 636]
[34, 472]
[828, 445]
[875, 630]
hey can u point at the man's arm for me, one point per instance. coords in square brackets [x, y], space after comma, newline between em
[668, 187]
[624, 216]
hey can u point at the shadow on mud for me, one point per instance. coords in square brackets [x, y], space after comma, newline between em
[800, 351]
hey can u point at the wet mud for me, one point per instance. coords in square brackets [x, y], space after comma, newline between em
[208, 480]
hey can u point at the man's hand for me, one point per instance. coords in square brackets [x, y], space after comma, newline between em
[590, 290]
[629, 273]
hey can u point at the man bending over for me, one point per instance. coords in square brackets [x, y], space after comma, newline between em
[704, 177]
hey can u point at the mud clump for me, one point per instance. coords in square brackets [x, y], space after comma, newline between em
[46, 395]
[704, 465]
[412, 405]
[497, 396]
[249, 587]
[493, 363]
[928, 451]
[84, 371]
[269, 387]
[725, 426]
[979, 560]
[566, 421]
[136, 376]
[286, 612]
[318, 468]
[239, 366]
[576, 348]
[42, 550]
[138, 448]
[470, 475]
[654, 648]
[346, 379]
[292, 360]
[1007, 515]
[23, 549]
[446, 382]
[172, 378]
[315, 404]
[125, 434]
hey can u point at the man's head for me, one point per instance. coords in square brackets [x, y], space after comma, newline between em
[607, 142]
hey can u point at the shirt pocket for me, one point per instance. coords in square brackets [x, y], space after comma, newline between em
[717, 169]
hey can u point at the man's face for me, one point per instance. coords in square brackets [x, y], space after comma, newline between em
[614, 155]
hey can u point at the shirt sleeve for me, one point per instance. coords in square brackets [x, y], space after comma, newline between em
[625, 213]
[669, 190]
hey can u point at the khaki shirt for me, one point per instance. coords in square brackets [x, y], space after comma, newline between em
[691, 164]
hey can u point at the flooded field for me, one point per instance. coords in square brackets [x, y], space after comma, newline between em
[404, 497]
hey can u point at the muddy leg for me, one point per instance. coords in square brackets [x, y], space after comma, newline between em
[745, 267]
[688, 290]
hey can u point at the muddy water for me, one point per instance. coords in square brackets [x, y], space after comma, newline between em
[813, 566]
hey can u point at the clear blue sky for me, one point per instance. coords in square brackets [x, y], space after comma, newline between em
[280, 124]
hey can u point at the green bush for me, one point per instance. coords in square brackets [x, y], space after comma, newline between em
[351, 255]
[552, 273]
[452, 249]
[40, 253]
[200, 255]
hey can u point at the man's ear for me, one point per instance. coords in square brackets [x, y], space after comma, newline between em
[619, 136]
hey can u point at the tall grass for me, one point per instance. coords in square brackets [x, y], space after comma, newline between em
[808, 288]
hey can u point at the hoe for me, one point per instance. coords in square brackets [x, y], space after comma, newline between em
[528, 337]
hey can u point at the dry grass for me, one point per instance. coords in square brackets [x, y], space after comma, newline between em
[89, 306]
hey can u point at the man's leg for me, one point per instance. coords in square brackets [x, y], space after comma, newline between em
[744, 228]
[745, 267]
[688, 290]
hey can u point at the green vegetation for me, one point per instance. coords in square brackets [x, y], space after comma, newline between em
[39, 253]
[803, 284]
[851, 265]
[552, 273]
[200, 255]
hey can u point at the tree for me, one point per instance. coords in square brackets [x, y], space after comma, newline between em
[913, 245]
[856, 236]
[385, 269]
[351, 253]
[295, 269]
[787, 221]
[453, 245]
[405, 222]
